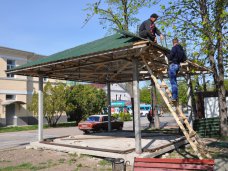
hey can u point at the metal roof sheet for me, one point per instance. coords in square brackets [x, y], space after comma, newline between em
[104, 44]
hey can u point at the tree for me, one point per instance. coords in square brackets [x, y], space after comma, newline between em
[145, 95]
[119, 14]
[182, 93]
[87, 100]
[203, 23]
[54, 104]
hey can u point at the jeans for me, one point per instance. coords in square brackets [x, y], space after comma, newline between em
[173, 69]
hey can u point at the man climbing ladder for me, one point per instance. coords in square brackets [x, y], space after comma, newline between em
[182, 121]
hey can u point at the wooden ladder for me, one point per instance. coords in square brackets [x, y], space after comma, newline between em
[197, 145]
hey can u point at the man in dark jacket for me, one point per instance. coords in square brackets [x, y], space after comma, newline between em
[176, 56]
[148, 29]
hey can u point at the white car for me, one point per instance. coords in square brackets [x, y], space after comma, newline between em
[143, 112]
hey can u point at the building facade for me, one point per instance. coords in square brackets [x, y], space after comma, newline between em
[118, 93]
[16, 91]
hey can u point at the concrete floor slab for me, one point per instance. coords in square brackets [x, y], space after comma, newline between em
[113, 144]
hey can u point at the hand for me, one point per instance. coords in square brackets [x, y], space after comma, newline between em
[155, 40]
[161, 37]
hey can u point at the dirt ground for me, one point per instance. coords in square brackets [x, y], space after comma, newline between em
[217, 148]
[45, 160]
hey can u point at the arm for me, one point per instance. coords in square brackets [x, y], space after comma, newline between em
[172, 54]
[157, 31]
[142, 26]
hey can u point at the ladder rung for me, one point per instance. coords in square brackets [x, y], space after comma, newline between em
[164, 86]
[192, 133]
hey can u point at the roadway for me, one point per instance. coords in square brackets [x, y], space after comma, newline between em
[23, 138]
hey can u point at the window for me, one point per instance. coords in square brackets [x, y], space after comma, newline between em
[147, 108]
[142, 108]
[10, 97]
[93, 119]
[45, 79]
[10, 65]
[105, 118]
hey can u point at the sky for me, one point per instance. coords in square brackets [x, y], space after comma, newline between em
[50, 26]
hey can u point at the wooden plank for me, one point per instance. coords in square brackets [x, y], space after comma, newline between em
[155, 169]
[185, 161]
[174, 166]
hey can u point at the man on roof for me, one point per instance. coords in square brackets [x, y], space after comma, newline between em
[148, 29]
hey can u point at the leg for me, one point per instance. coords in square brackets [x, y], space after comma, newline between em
[173, 80]
[146, 34]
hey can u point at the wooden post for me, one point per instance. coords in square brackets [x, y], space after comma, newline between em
[156, 117]
[204, 83]
[109, 106]
[40, 109]
[191, 100]
[133, 113]
[138, 147]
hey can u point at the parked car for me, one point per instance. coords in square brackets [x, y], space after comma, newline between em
[99, 123]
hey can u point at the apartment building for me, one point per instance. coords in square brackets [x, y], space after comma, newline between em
[118, 93]
[16, 91]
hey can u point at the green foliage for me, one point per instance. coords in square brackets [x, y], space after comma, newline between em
[226, 84]
[182, 93]
[29, 166]
[117, 13]
[145, 95]
[203, 25]
[54, 102]
[104, 163]
[115, 115]
[125, 116]
[87, 100]
[122, 116]
[33, 127]
[200, 24]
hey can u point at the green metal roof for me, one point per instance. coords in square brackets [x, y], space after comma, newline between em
[112, 42]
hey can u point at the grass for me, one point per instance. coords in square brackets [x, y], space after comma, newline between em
[61, 161]
[224, 138]
[33, 127]
[104, 163]
[4, 161]
[28, 166]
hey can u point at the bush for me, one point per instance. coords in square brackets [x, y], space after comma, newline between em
[115, 115]
[125, 116]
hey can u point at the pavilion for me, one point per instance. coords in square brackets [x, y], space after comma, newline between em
[113, 59]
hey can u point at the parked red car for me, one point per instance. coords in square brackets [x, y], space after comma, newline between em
[99, 123]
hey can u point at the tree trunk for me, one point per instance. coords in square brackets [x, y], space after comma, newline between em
[125, 4]
[218, 73]
[220, 84]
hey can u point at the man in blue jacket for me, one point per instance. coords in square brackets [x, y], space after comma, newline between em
[148, 29]
[176, 56]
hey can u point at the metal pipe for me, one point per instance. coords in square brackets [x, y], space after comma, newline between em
[40, 109]
[138, 146]
[109, 106]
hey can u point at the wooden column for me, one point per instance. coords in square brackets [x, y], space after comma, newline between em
[138, 146]
[40, 109]
[156, 117]
[109, 106]
[191, 101]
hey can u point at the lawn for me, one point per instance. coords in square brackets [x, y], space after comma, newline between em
[33, 127]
